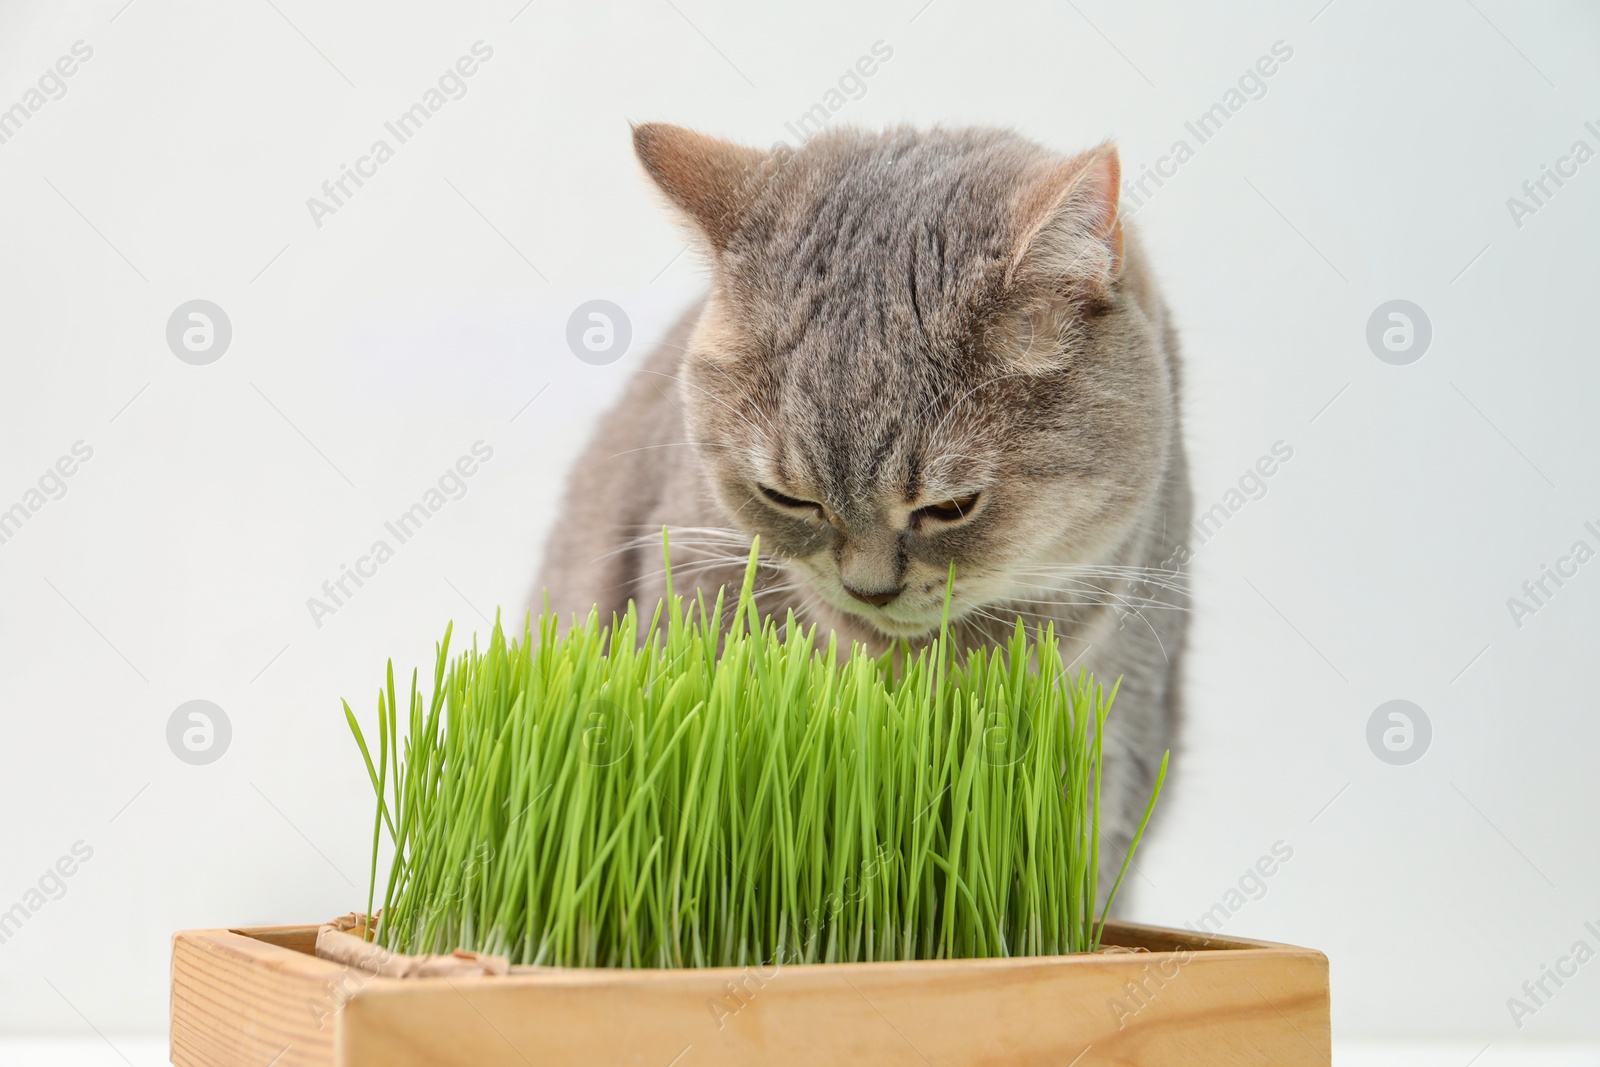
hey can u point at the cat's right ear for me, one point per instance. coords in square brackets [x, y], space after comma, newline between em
[712, 181]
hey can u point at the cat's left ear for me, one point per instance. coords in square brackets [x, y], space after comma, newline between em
[712, 181]
[1069, 236]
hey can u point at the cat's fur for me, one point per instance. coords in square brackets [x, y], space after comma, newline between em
[898, 320]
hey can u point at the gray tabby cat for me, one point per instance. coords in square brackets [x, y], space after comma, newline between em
[918, 347]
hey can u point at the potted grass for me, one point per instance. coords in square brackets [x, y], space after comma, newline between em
[674, 841]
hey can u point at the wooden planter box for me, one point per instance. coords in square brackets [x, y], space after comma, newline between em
[260, 996]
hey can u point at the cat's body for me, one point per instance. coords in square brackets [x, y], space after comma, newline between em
[919, 347]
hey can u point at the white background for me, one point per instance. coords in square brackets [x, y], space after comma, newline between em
[370, 352]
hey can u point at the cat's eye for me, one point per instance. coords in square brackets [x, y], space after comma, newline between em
[949, 510]
[790, 502]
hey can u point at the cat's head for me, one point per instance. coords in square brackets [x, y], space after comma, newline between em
[919, 347]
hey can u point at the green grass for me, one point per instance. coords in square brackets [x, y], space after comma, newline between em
[587, 798]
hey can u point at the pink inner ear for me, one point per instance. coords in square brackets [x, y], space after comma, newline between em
[709, 179]
[1104, 181]
[1071, 202]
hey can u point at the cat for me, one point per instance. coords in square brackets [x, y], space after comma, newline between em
[919, 346]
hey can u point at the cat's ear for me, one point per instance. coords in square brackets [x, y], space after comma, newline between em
[1068, 235]
[710, 180]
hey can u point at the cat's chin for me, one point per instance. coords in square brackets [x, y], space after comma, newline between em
[907, 630]
[896, 628]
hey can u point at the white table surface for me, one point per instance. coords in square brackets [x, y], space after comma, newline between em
[147, 1051]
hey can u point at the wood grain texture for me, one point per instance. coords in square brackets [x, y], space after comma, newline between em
[239, 999]
[1184, 1000]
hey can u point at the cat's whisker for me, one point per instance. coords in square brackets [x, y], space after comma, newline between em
[1065, 587]
[684, 546]
[748, 399]
[1134, 590]
[672, 444]
[1120, 568]
[686, 535]
[735, 412]
[700, 568]
[1077, 587]
[651, 529]
[1090, 573]
[1126, 608]
[1133, 580]
[655, 528]
[1129, 606]
[766, 431]
[685, 540]
[1110, 569]
[1095, 571]
[1135, 612]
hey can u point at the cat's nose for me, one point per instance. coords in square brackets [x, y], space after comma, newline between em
[877, 600]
